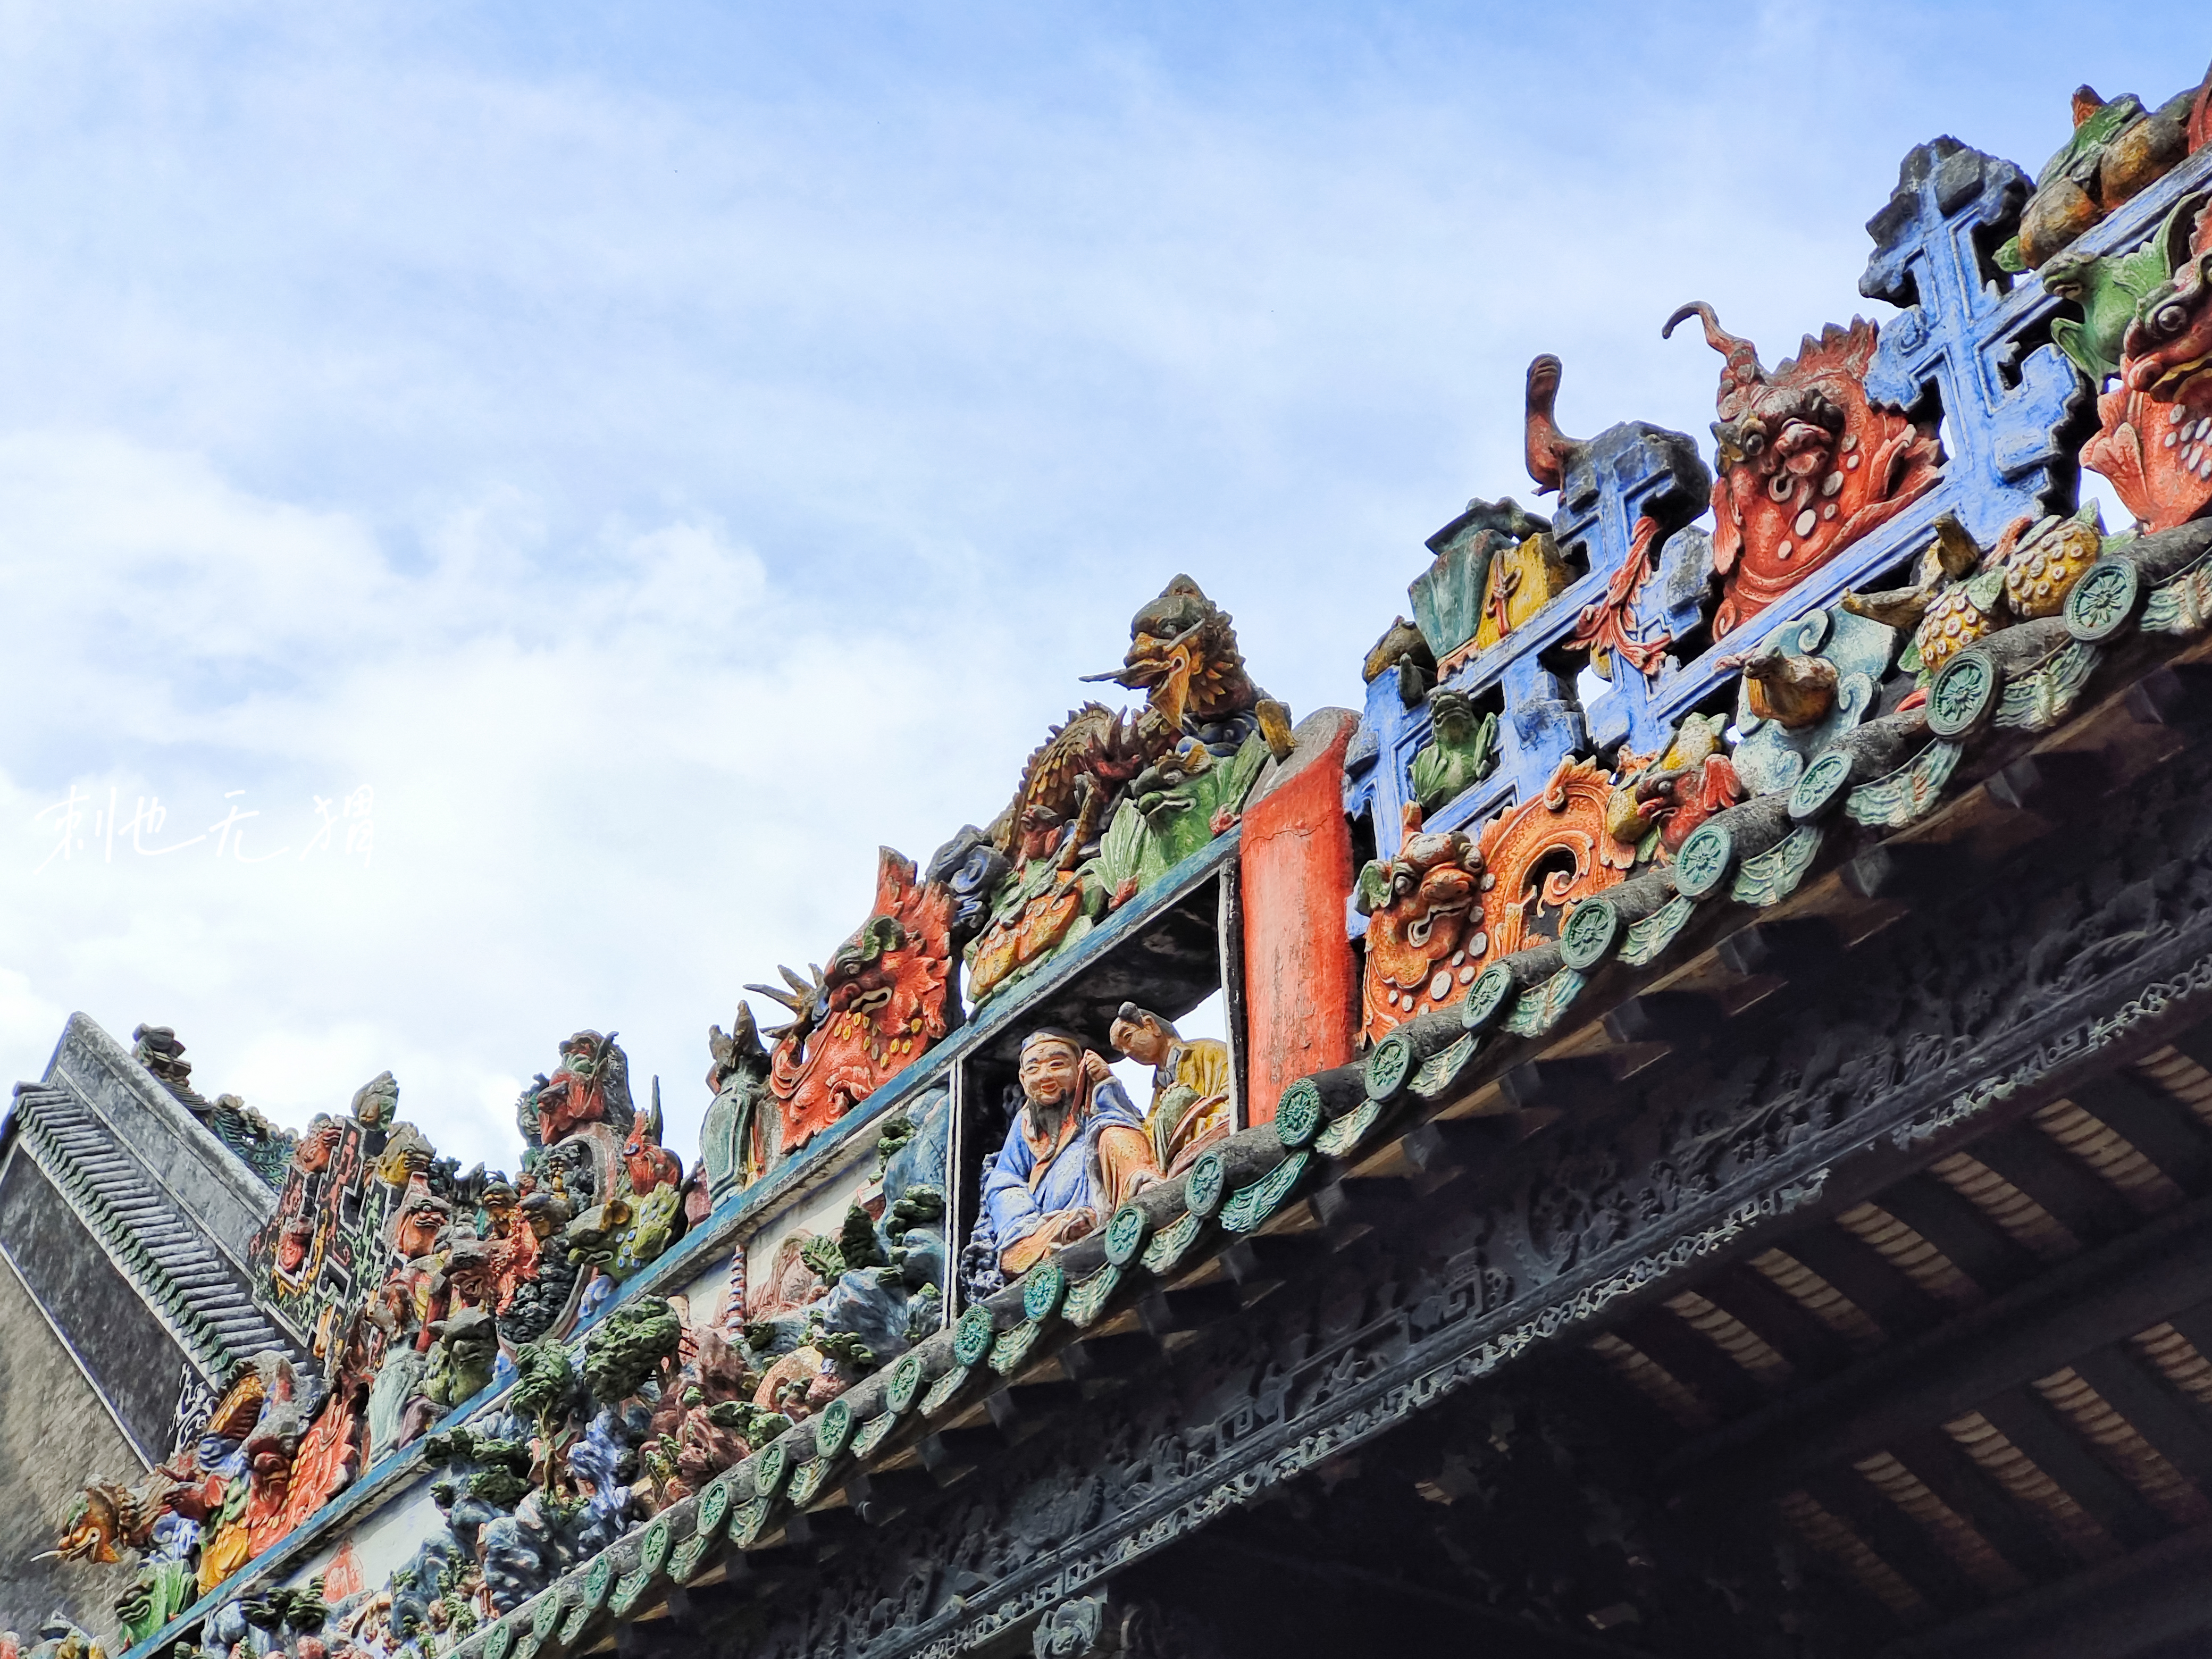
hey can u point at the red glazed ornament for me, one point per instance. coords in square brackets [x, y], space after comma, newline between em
[1807, 463]
[2155, 438]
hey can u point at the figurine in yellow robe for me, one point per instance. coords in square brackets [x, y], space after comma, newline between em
[1190, 1085]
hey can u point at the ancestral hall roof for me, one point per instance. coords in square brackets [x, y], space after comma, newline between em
[1711, 1152]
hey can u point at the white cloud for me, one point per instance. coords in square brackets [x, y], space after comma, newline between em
[586, 793]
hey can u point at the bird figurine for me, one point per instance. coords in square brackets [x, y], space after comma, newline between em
[1548, 450]
[1945, 610]
[1404, 651]
[1794, 691]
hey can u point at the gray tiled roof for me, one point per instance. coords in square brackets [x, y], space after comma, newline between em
[198, 1292]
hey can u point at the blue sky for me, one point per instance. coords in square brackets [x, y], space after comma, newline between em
[665, 451]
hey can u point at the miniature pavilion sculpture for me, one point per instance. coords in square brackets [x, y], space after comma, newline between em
[259, 1145]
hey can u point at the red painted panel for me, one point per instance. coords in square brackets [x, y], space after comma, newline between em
[1301, 975]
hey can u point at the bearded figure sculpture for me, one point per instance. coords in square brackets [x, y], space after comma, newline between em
[1075, 1150]
[590, 1085]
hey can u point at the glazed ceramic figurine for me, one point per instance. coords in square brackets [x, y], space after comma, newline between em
[878, 1005]
[1189, 1110]
[1807, 463]
[1074, 1151]
[1463, 754]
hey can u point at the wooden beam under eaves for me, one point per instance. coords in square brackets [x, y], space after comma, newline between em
[2154, 1123]
[2156, 1601]
[1693, 1360]
[2130, 1388]
[1777, 1319]
[1896, 1538]
[2055, 1446]
[2022, 1537]
[2089, 1301]
[2090, 1209]
[1974, 1243]
[1858, 1271]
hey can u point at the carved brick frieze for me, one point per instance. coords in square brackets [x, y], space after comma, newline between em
[1980, 1008]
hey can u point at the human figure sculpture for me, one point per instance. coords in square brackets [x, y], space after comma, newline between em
[743, 1129]
[1075, 1150]
[1464, 751]
[1189, 1108]
[578, 1091]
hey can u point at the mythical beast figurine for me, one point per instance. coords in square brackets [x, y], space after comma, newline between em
[881, 1002]
[1110, 802]
[1808, 464]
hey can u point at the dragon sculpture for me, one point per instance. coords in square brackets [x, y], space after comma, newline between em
[879, 1005]
[1183, 655]
[1070, 785]
[233, 1489]
[1808, 464]
[1202, 710]
[1074, 775]
[2155, 439]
